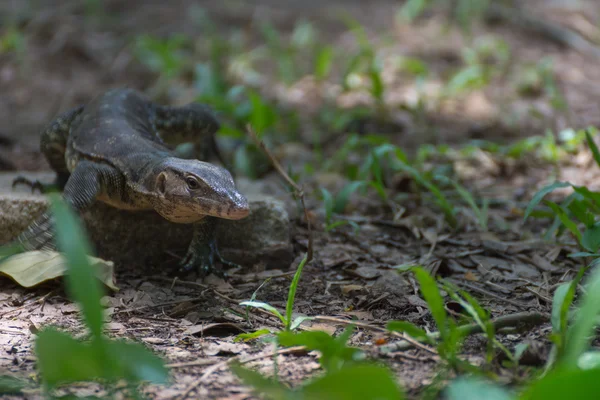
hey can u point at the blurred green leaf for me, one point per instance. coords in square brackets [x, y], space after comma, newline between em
[414, 66]
[377, 85]
[593, 147]
[341, 199]
[591, 238]
[481, 214]
[263, 115]
[328, 203]
[298, 321]
[323, 62]
[412, 9]
[12, 385]
[561, 302]
[252, 335]
[267, 387]
[440, 198]
[137, 363]
[564, 218]
[579, 334]
[593, 197]
[589, 360]
[335, 355]
[161, 55]
[62, 359]
[469, 78]
[432, 296]
[350, 384]
[408, 328]
[81, 282]
[582, 211]
[564, 384]
[304, 34]
[474, 388]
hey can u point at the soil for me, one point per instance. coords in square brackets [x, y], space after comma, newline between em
[69, 57]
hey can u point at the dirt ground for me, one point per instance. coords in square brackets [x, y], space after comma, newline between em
[508, 268]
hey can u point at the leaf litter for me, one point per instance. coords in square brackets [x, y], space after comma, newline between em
[353, 278]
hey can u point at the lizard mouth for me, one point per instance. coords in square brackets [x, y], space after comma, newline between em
[225, 210]
[235, 214]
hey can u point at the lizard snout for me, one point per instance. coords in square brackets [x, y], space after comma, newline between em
[240, 208]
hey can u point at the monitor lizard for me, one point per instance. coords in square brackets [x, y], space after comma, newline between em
[114, 150]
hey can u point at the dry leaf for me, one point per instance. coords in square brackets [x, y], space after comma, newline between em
[317, 326]
[347, 289]
[471, 277]
[34, 267]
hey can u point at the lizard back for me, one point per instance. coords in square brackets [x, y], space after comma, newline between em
[116, 128]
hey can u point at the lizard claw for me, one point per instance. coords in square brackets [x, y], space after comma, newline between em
[202, 259]
[36, 184]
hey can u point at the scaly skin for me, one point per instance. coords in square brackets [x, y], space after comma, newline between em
[113, 150]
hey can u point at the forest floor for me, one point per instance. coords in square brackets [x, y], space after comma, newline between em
[53, 58]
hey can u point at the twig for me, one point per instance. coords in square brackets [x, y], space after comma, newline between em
[167, 303]
[195, 363]
[492, 295]
[35, 303]
[299, 191]
[214, 368]
[511, 320]
[539, 295]
[195, 285]
[407, 338]
[557, 33]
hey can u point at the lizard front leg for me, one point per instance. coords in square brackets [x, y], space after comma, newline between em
[203, 251]
[87, 181]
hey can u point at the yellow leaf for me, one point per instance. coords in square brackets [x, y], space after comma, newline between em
[34, 267]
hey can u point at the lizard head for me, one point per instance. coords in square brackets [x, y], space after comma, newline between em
[188, 190]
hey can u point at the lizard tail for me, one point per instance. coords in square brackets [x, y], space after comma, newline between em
[39, 235]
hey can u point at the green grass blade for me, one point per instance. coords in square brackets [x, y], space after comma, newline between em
[581, 332]
[264, 306]
[323, 62]
[440, 199]
[81, 282]
[341, 199]
[328, 203]
[593, 147]
[468, 198]
[564, 218]
[289, 308]
[434, 300]
[540, 195]
[473, 388]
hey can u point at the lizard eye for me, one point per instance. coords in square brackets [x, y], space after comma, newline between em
[192, 183]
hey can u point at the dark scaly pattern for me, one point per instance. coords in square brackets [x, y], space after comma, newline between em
[53, 143]
[193, 122]
[115, 154]
[88, 181]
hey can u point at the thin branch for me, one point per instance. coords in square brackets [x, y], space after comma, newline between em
[555, 32]
[363, 325]
[299, 191]
[512, 320]
[214, 368]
